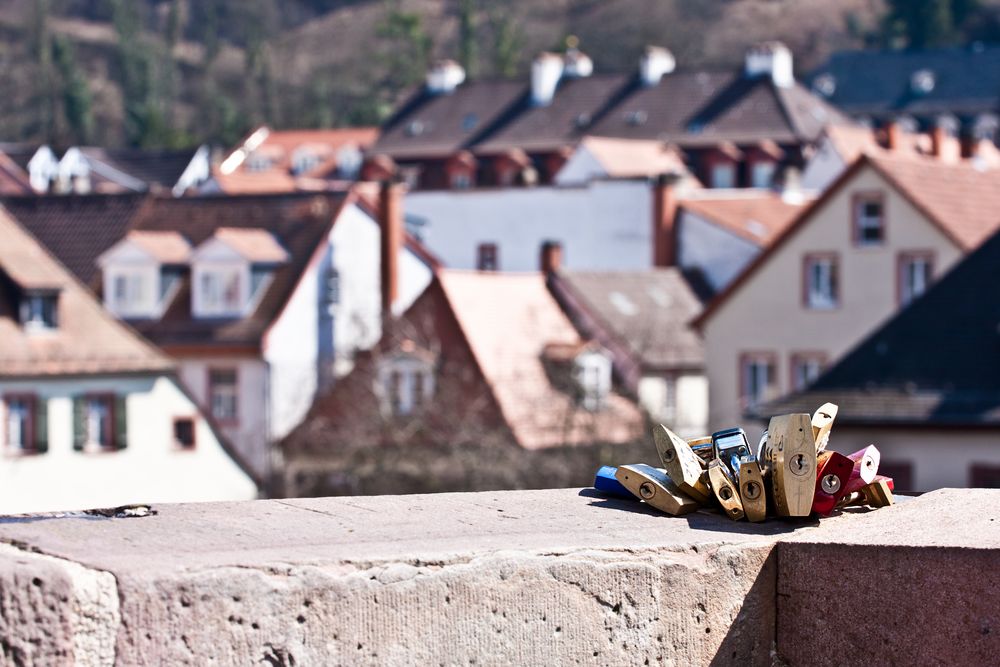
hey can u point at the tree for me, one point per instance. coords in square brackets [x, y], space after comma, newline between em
[76, 97]
[468, 51]
[507, 39]
[407, 47]
[927, 23]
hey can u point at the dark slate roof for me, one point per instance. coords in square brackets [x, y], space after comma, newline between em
[691, 108]
[441, 124]
[298, 221]
[936, 362]
[576, 103]
[877, 83]
[648, 311]
[158, 169]
[76, 229]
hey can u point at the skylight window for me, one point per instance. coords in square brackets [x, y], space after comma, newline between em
[922, 81]
[623, 304]
[469, 122]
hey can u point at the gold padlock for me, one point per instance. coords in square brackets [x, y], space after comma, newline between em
[791, 450]
[752, 489]
[682, 465]
[878, 494]
[724, 489]
[653, 486]
[822, 423]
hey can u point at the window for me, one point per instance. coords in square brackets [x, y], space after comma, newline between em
[593, 377]
[127, 293]
[331, 293]
[488, 257]
[461, 180]
[303, 161]
[23, 427]
[901, 473]
[258, 162]
[223, 395]
[98, 422]
[406, 381]
[869, 220]
[39, 311]
[984, 476]
[758, 378]
[723, 175]
[762, 174]
[349, 160]
[184, 432]
[820, 282]
[220, 291]
[915, 270]
[806, 367]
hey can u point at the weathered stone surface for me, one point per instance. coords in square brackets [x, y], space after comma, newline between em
[55, 612]
[540, 577]
[917, 583]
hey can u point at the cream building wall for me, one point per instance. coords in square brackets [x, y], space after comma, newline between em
[151, 469]
[766, 313]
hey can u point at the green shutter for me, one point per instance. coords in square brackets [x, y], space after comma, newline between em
[41, 425]
[79, 427]
[121, 423]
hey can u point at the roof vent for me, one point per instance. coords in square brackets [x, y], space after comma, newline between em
[636, 118]
[922, 81]
[655, 62]
[414, 128]
[444, 77]
[546, 70]
[772, 59]
[825, 85]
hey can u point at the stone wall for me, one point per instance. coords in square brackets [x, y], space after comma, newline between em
[520, 577]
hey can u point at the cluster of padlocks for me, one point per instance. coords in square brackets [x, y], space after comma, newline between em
[792, 473]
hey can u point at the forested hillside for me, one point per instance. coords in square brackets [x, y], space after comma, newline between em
[180, 72]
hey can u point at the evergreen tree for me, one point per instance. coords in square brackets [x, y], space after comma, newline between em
[76, 96]
[468, 47]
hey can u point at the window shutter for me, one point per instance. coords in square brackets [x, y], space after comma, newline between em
[121, 423]
[79, 426]
[41, 425]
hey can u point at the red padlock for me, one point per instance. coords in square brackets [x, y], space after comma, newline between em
[834, 471]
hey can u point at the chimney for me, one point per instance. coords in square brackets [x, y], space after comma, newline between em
[390, 213]
[546, 70]
[551, 257]
[655, 62]
[664, 212]
[444, 77]
[944, 144]
[893, 135]
[771, 59]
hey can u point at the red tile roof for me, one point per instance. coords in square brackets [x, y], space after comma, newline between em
[167, 247]
[631, 158]
[87, 340]
[508, 321]
[254, 245]
[758, 217]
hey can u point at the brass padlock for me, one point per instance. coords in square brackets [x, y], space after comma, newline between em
[724, 490]
[653, 486]
[822, 423]
[879, 493]
[702, 447]
[753, 493]
[682, 465]
[791, 451]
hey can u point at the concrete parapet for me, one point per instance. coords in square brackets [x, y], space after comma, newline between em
[520, 577]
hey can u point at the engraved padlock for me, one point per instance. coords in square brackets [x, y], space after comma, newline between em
[653, 486]
[791, 452]
[683, 466]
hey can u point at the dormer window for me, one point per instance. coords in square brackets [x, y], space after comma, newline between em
[39, 311]
[142, 272]
[258, 162]
[405, 380]
[592, 372]
[127, 292]
[349, 159]
[304, 160]
[231, 270]
[220, 290]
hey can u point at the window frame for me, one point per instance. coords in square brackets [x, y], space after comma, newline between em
[209, 309]
[211, 383]
[900, 471]
[797, 356]
[772, 167]
[770, 357]
[194, 433]
[730, 166]
[902, 259]
[32, 445]
[109, 398]
[979, 472]
[25, 310]
[808, 260]
[858, 199]
[488, 249]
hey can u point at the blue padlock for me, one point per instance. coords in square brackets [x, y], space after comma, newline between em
[606, 482]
